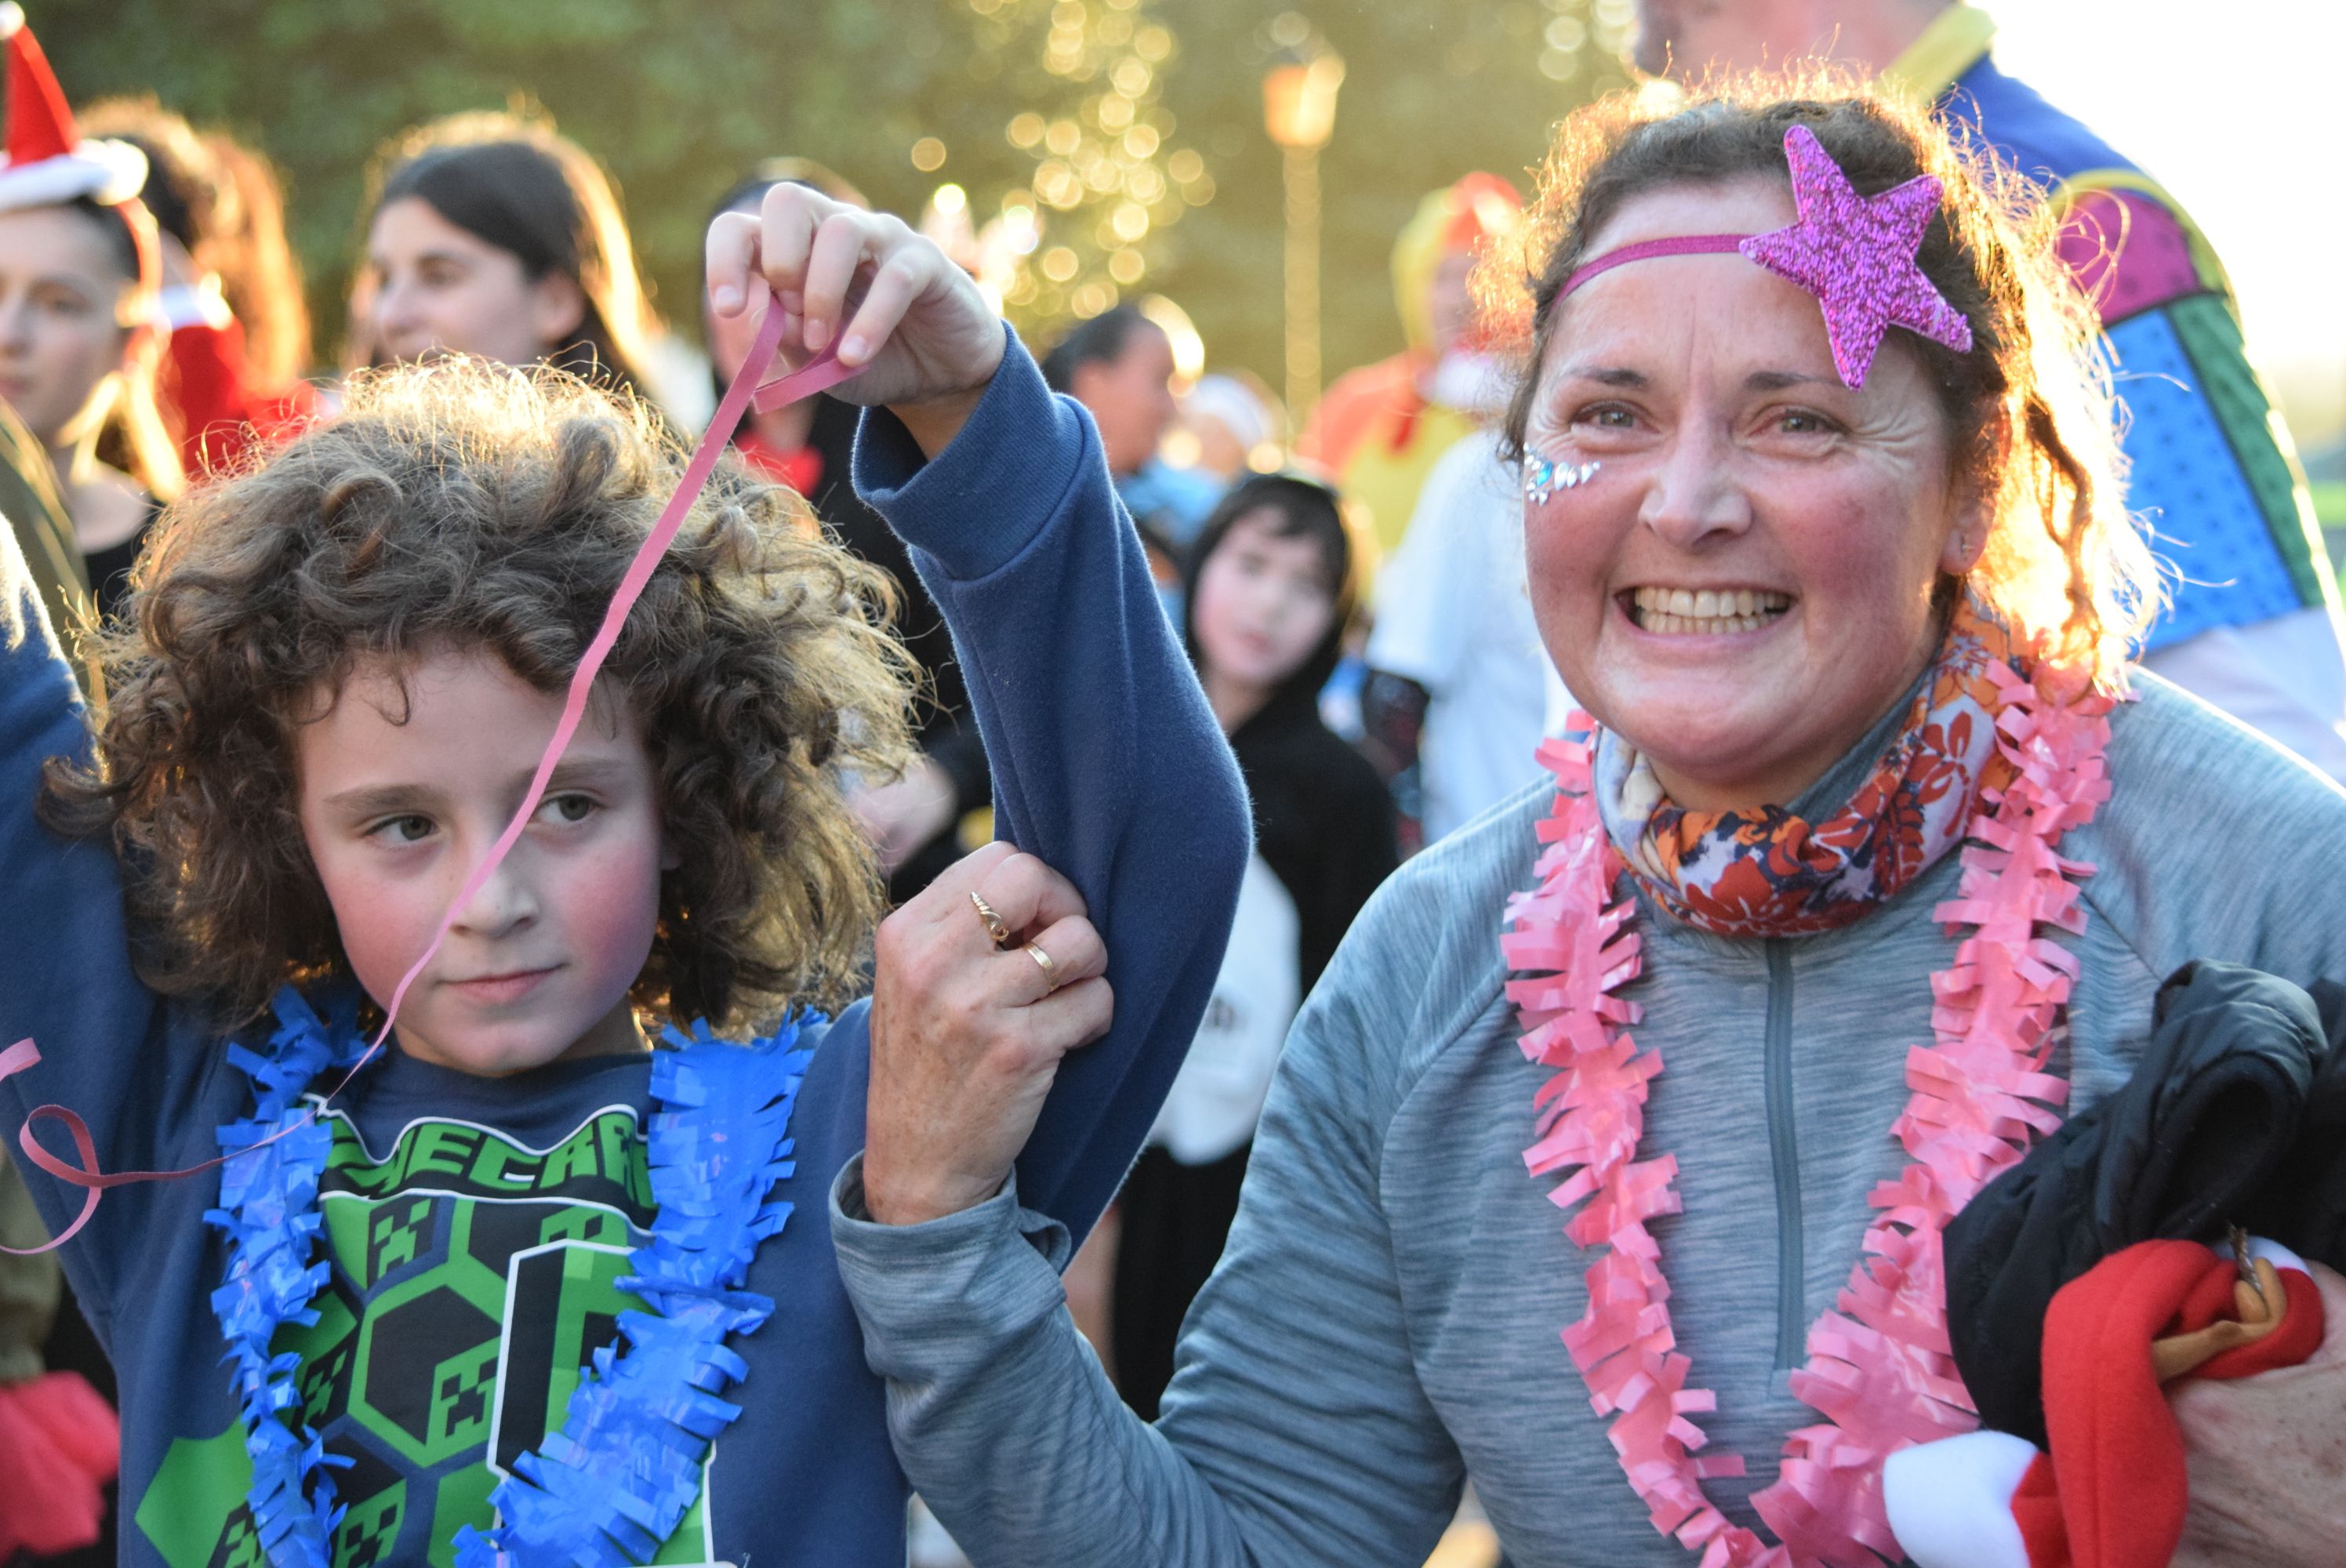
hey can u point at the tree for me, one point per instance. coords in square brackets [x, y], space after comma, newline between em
[680, 97]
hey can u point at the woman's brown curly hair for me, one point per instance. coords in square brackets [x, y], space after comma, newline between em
[471, 506]
[2029, 405]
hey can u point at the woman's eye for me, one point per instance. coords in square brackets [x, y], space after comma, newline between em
[1606, 416]
[1804, 422]
[408, 829]
[566, 808]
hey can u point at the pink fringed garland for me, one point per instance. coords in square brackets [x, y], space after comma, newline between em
[1879, 1367]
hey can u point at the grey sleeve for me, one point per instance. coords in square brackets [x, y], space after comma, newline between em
[1294, 1431]
[2215, 844]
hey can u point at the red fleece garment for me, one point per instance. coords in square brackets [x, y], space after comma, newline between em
[2122, 1489]
[60, 1438]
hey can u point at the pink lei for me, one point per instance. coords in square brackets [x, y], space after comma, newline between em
[1879, 1371]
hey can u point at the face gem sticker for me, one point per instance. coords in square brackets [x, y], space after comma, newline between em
[1543, 477]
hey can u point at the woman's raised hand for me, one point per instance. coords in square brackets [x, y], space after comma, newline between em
[924, 339]
[974, 1003]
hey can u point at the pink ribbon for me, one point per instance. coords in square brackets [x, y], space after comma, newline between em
[817, 374]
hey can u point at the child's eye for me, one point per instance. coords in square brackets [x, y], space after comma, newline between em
[565, 809]
[408, 829]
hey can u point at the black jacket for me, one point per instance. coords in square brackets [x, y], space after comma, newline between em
[2235, 1115]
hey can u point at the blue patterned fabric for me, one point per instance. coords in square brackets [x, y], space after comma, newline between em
[2212, 473]
[2190, 492]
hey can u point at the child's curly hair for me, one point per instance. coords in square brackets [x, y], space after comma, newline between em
[467, 505]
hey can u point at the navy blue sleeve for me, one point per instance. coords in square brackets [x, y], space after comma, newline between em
[1107, 763]
[111, 1050]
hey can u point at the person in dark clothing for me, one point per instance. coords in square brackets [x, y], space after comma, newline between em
[1270, 590]
[1120, 365]
[810, 446]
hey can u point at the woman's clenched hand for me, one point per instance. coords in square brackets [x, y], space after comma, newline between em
[2268, 1458]
[967, 1035]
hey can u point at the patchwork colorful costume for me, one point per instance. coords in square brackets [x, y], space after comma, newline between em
[2254, 627]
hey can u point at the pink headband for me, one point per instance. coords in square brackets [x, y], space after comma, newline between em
[1854, 253]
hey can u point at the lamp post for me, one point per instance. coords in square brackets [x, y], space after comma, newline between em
[1299, 109]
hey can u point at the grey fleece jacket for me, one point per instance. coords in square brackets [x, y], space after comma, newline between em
[1384, 1320]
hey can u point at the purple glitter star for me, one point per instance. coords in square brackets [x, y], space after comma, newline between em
[1856, 255]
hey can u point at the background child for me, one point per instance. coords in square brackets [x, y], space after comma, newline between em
[343, 667]
[1270, 589]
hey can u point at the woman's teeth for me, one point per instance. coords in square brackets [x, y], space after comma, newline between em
[1679, 612]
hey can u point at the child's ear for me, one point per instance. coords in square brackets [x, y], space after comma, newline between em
[671, 859]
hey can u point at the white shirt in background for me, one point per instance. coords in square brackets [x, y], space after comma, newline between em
[1454, 614]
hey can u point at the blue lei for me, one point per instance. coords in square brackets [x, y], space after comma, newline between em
[613, 1484]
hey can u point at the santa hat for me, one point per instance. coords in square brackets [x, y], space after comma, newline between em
[2113, 1492]
[47, 161]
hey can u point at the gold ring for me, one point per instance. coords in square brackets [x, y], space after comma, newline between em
[994, 926]
[1050, 970]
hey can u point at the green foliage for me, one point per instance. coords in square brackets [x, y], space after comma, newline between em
[678, 97]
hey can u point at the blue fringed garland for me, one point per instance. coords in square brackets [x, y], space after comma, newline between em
[613, 1484]
[269, 1207]
[616, 1480]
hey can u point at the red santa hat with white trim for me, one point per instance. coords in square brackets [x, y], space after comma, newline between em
[2113, 1492]
[47, 161]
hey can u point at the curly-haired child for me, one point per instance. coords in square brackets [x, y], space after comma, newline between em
[495, 1302]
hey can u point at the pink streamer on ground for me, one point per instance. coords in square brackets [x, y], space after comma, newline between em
[1880, 1369]
[817, 374]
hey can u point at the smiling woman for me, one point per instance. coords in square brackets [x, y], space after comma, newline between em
[1824, 526]
[1732, 457]
[490, 234]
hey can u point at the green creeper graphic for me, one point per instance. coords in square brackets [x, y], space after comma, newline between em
[472, 1281]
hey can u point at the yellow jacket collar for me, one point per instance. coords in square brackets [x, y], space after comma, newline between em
[1955, 41]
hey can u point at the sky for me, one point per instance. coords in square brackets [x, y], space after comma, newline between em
[2245, 122]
